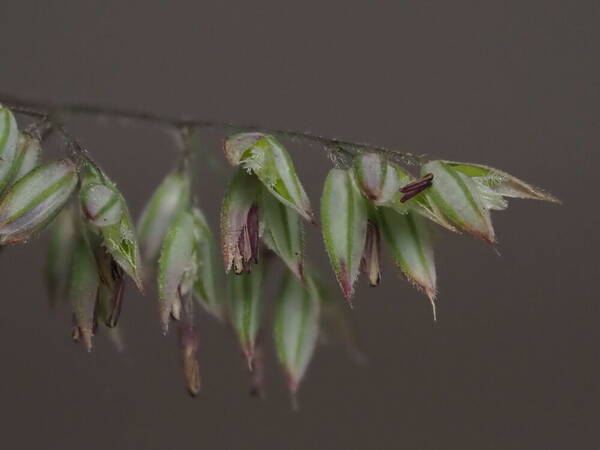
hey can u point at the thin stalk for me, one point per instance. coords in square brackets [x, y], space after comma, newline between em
[57, 109]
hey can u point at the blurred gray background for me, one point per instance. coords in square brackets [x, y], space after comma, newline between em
[512, 362]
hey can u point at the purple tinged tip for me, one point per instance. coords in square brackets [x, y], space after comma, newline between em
[488, 236]
[370, 262]
[246, 251]
[345, 282]
[293, 384]
[310, 215]
[347, 290]
[371, 195]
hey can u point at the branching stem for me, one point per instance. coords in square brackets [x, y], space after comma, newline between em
[52, 110]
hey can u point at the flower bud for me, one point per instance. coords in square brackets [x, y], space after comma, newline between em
[245, 309]
[9, 136]
[105, 208]
[100, 204]
[82, 293]
[344, 216]
[501, 182]
[459, 199]
[296, 327]
[63, 236]
[378, 179]
[176, 267]
[412, 249]
[239, 223]
[208, 284]
[238, 147]
[29, 152]
[33, 201]
[265, 156]
[282, 231]
[170, 197]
